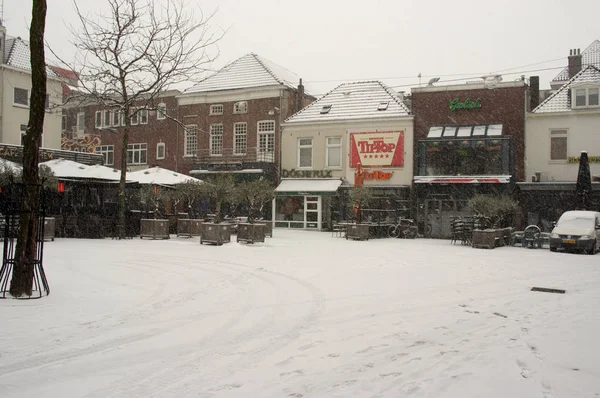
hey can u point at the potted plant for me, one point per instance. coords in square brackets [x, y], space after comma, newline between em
[154, 228]
[360, 196]
[190, 192]
[218, 189]
[494, 215]
[254, 194]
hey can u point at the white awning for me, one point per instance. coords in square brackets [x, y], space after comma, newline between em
[502, 179]
[249, 171]
[308, 186]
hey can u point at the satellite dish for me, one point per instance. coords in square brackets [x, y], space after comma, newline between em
[433, 80]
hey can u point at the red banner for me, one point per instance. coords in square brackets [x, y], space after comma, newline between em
[377, 149]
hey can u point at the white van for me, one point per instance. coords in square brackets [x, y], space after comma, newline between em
[577, 230]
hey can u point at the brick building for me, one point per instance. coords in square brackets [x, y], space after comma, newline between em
[233, 118]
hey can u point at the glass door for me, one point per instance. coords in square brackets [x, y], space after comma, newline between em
[312, 212]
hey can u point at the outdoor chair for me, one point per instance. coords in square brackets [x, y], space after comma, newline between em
[338, 230]
[516, 237]
[532, 237]
[457, 227]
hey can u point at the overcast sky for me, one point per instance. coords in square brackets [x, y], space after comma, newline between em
[330, 42]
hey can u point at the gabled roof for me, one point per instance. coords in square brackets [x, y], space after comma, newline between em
[17, 55]
[359, 100]
[589, 56]
[560, 101]
[248, 71]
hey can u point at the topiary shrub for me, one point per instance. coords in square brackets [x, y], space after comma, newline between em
[493, 211]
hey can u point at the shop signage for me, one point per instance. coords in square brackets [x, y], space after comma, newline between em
[224, 166]
[377, 149]
[14, 153]
[591, 159]
[455, 104]
[293, 173]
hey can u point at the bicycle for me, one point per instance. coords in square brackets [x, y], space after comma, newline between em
[405, 229]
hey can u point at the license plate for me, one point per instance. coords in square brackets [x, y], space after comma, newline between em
[569, 241]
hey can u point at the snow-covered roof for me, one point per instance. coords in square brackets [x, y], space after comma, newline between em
[589, 56]
[17, 55]
[360, 100]
[249, 71]
[308, 185]
[159, 176]
[63, 168]
[560, 101]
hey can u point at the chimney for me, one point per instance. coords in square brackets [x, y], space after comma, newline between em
[574, 62]
[534, 92]
[299, 97]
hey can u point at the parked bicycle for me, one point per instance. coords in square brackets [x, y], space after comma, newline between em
[405, 229]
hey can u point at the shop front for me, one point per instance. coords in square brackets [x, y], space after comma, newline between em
[469, 140]
[305, 203]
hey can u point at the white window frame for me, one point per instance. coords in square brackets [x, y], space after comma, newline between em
[80, 126]
[305, 146]
[116, 113]
[134, 119]
[190, 140]
[143, 116]
[328, 147]
[216, 139]
[587, 88]
[161, 111]
[23, 131]
[18, 104]
[98, 119]
[240, 107]
[266, 135]
[240, 138]
[558, 133]
[216, 109]
[137, 149]
[106, 118]
[63, 122]
[164, 150]
[105, 150]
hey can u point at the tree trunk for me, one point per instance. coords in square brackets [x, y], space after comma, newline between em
[124, 143]
[25, 254]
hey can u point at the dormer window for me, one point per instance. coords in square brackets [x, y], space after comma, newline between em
[585, 97]
[325, 110]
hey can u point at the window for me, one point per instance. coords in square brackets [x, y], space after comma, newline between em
[558, 145]
[449, 131]
[334, 152]
[435, 132]
[190, 145]
[240, 138]
[478, 131]
[160, 150]
[305, 152]
[217, 109]
[586, 96]
[63, 123]
[494, 130]
[216, 139]
[325, 109]
[134, 118]
[108, 153]
[161, 111]
[21, 96]
[240, 107]
[266, 141]
[143, 116]
[464, 131]
[98, 119]
[106, 118]
[23, 130]
[383, 106]
[81, 123]
[116, 118]
[136, 153]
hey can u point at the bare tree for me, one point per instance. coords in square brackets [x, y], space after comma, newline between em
[138, 50]
[25, 254]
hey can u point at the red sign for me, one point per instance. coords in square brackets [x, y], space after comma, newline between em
[379, 148]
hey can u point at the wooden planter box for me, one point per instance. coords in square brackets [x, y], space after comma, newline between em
[188, 227]
[251, 233]
[357, 231]
[216, 234]
[155, 229]
[268, 227]
[49, 228]
[484, 239]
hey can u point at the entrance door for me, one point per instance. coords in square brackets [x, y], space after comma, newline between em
[439, 214]
[312, 212]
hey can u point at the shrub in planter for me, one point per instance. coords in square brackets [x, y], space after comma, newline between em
[215, 233]
[251, 233]
[493, 211]
[154, 228]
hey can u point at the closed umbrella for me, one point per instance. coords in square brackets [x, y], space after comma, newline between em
[583, 189]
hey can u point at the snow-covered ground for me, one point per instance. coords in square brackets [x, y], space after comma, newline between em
[304, 315]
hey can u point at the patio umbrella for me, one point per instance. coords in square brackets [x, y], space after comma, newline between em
[159, 176]
[583, 189]
[67, 169]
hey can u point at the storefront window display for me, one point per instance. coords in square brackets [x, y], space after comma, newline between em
[291, 210]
